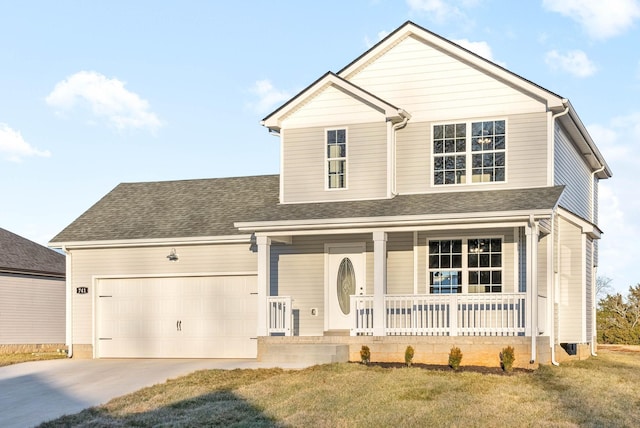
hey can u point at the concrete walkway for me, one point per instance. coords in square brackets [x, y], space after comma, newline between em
[35, 392]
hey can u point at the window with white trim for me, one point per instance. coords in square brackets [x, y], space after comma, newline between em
[480, 145]
[465, 265]
[336, 158]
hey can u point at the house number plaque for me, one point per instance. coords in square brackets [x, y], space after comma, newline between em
[82, 290]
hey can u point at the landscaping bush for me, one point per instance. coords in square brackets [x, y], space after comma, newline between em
[507, 358]
[365, 355]
[408, 356]
[455, 358]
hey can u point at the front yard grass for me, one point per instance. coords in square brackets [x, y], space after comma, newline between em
[8, 359]
[600, 391]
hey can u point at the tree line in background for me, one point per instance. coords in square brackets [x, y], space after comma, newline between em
[618, 316]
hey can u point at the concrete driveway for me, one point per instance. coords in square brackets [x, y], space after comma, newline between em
[35, 392]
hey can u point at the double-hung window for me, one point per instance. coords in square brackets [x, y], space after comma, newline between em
[473, 152]
[465, 265]
[336, 158]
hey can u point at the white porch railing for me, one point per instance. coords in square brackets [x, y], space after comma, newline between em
[280, 315]
[444, 315]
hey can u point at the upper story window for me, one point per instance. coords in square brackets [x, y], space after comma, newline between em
[469, 152]
[336, 159]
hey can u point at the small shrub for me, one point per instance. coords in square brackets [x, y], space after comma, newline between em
[455, 358]
[408, 356]
[507, 357]
[365, 355]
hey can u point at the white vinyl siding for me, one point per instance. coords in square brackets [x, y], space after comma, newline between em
[571, 170]
[305, 164]
[435, 86]
[589, 289]
[526, 156]
[140, 261]
[571, 279]
[32, 310]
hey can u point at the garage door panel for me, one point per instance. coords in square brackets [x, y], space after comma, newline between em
[196, 317]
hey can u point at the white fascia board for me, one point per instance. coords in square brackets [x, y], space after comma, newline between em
[588, 228]
[392, 221]
[390, 111]
[553, 101]
[583, 139]
[198, 240]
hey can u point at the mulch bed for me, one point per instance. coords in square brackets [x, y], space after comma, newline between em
[445, 368]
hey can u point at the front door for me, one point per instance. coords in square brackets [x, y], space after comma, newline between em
[345, 277]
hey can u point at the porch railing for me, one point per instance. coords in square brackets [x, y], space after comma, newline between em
[280, 315]
[444, 315]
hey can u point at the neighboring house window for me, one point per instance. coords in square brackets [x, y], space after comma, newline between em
[482, 145]
[445, 266]
[337, 158]
[473, 266]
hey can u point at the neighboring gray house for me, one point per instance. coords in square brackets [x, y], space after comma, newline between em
[426, 196]
[32, 295]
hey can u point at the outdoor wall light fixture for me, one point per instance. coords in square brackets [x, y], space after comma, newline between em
[173, 256]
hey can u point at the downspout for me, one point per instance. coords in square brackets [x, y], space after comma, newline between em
[68, 303]
[553, 282]
[552, 333]
[405, 118]
[532, 256]
[593, 297]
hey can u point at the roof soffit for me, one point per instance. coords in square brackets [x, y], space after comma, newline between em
[409, 29]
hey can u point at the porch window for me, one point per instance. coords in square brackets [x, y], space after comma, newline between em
[445, 266]
[470, 266]
[472, 152]
[337, 158]
[485, 265]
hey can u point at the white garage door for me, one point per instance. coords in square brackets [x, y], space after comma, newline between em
[186, 317]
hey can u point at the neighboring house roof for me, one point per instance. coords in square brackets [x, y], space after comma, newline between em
[20, 255]
[214, 207]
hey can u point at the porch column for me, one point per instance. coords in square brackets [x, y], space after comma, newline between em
[264, 274]
[379, 282]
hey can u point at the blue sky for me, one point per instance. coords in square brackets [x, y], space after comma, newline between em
[97, 93]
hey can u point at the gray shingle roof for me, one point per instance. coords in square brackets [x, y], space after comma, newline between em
[20, 255]
[210, 207]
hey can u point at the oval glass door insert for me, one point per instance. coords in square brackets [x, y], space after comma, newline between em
[346, 285]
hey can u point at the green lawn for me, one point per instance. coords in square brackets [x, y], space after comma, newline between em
[601, 391]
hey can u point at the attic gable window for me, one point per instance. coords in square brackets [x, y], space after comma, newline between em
[472, 152]
[336, 159]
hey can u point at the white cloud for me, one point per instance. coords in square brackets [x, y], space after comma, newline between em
[268, 96]
[479, 48]
[107, 99]
[600, 19]
[439, 10]
[14, 147]
[619, 205]
[381, 35]
[573, 62]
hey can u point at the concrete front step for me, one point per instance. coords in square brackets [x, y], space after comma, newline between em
[308, 353]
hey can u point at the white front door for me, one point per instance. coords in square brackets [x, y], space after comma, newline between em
[345, 277]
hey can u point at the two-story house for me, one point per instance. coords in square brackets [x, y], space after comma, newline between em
[426, 197]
